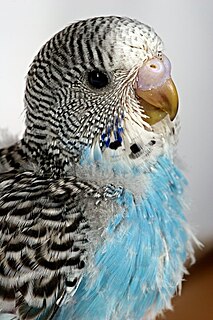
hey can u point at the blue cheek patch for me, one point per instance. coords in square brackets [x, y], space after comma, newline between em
[117, 131]
[106, 139]
[140, 264]
[117, 134]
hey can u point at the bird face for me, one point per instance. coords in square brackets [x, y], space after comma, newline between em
[101, 84]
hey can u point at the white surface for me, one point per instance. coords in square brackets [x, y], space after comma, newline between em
[186, 29]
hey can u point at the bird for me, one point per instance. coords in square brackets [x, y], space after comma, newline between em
[92, 200]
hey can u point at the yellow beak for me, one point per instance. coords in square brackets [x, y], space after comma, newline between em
[159, 102]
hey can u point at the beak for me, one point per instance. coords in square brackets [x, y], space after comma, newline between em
[159, 101]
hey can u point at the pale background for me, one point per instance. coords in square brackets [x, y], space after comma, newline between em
[186, 28]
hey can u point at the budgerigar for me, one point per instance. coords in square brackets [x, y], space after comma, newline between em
[91, 201]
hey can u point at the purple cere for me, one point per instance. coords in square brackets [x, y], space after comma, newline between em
[154, 73]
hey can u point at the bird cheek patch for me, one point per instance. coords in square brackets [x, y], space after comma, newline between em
[115, 134]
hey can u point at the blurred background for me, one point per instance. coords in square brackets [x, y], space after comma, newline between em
[186, 29]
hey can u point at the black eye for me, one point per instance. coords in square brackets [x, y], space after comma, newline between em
[98, 79]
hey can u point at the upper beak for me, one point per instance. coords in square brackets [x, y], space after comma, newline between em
[159, 102]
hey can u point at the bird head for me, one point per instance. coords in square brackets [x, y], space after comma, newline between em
[100, 88]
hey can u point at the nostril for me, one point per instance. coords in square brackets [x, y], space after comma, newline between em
[155, 65]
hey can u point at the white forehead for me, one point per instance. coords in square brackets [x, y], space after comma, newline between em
[131, 43]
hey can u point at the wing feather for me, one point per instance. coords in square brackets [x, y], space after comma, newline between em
[42, 238]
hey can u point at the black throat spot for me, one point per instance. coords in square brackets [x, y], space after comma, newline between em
[115, 145]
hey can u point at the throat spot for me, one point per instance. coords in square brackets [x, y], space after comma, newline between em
[115, 145]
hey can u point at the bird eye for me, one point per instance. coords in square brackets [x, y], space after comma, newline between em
[97, 79]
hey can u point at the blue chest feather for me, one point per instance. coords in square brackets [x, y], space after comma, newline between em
[140, 264]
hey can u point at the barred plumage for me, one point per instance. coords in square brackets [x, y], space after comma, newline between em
[42, 234]
[83, 181]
